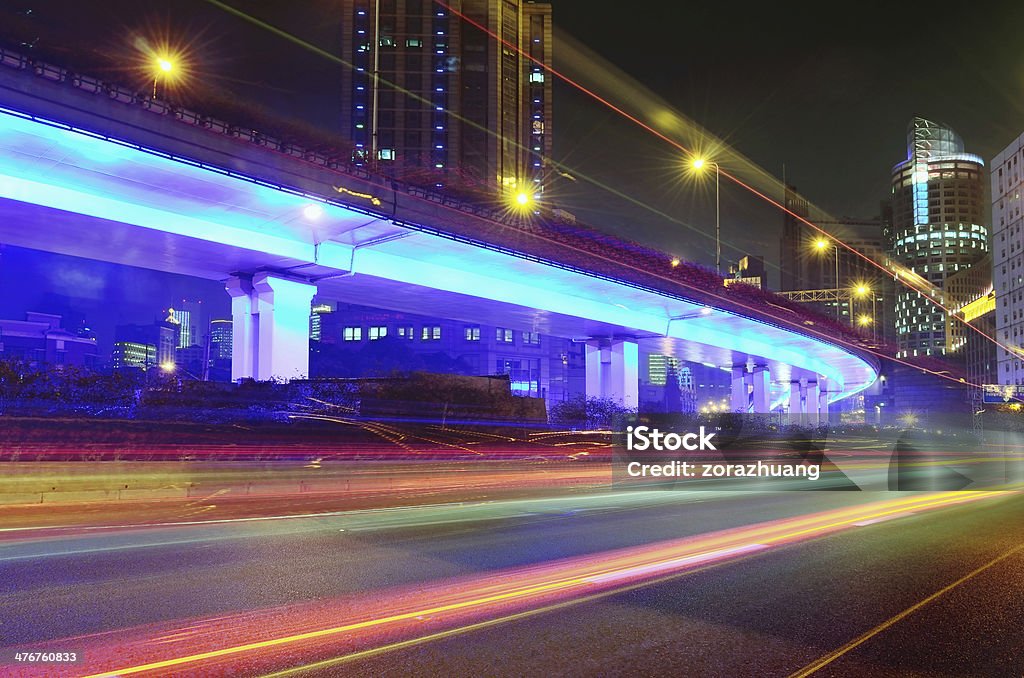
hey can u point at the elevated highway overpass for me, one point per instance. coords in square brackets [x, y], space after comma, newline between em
[90, 170]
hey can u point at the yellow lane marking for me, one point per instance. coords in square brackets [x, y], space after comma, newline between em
[863, 638]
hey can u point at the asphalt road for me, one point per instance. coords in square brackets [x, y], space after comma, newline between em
[157, 591]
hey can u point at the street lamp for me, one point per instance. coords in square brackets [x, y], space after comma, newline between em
[822, 244]
[860, 290]
[164, 68]
[699, 164]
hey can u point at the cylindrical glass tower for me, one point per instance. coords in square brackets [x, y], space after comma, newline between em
[937, 229]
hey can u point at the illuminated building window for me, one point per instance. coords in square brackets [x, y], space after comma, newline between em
[531, 338]
[405, 331]
[353, 334]
[378, 332]
[431, 332]
[503, 335]
[472, 334]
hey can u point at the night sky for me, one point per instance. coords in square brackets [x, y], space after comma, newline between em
[825, 89]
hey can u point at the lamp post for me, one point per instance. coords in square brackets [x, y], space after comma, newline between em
[699, 164]
[821, 244]
[162, 68]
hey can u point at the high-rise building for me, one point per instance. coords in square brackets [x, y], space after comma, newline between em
[793, 262]
[937, 227]
[1008, 259]
[429, 87]
[971, 298]
[188, 316]
[221, 337]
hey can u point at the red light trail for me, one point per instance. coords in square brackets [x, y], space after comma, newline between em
[727, 175]
[334, 631]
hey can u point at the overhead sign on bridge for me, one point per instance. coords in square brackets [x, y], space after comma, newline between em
[997, 393]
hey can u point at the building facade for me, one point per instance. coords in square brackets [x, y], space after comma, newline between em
[145, 346]
[358, 341]
[40, 340]
[1008, 260]
[937, 228]
[429, 87]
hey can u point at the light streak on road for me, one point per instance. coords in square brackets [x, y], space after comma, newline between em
[271, 638]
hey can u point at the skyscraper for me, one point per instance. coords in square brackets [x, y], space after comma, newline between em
[1008, 259]
[793, 274]
[430, 88]
[937, 227]
[188, 316]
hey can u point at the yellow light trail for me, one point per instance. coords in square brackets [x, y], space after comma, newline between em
[581, 573]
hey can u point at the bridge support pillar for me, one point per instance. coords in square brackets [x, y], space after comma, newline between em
[739, 400]
[613, 370]
[270, 327]
[822, 402]
[796, 402]
[812, 402]
[762, 389]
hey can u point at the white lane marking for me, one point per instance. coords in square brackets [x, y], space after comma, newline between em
[882, 519]
[675, 563]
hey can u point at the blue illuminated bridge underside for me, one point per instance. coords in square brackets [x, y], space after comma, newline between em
[67, 191]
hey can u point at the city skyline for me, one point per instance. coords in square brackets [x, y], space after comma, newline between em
[750, 82]
[507, 337]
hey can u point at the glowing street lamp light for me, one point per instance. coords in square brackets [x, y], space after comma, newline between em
[864, 320]
[523, 199]
[164, 68]
[860, 291]
[699, 164]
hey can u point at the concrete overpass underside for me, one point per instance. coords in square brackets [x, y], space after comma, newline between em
[68, 191]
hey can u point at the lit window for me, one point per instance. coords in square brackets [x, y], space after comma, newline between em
[531, 338]
[353, 334]
[536, 77]
[431, 332]
[472, 333]
[503, 335]
[378, 332]
[405, 332]
[386, 154]
[414, 42]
